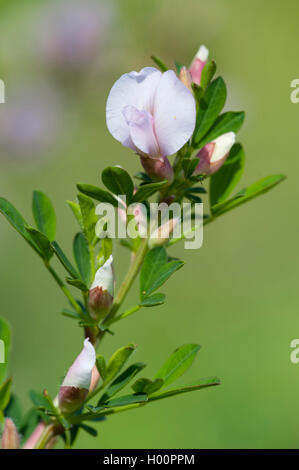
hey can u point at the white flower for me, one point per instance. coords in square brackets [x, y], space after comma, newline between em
[79, 374]
[104, 277]
[151, 112]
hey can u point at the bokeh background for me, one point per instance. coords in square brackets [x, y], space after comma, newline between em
[238, 295]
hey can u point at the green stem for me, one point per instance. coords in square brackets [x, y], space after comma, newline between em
[64, 289]
[128, 280]
[48, 433]
[127, 313]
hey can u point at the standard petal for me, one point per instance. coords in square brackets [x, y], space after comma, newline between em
[141, 130]
[104, 277]
[135, 89]
[79, 374]
[174, 113]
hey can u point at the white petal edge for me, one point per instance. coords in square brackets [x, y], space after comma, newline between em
[223, 144]
[104, 277]
[202, 53]
[79, 374]
[174, 114]
[135, 89]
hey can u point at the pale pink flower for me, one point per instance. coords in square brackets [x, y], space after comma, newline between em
[101, 291]
[198, 64]
[151, 112]
[74, 388]
[213, 155]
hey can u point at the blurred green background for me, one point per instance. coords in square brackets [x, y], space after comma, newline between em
[238, 295]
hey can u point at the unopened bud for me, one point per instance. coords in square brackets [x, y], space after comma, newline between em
[162, 233]
[75, 387]
[158, 168]
[102, 290]
[10, 436]
[185, 77]
[213, 155]
[198, 64]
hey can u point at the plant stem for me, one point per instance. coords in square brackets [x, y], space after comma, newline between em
[48, 433]
[64, 289]
[50, 430]
[128, 280]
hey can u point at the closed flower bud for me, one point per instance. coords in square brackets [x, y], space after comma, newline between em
[213, 155]
[185, 77]
[75, 387]
[198, 64]
[102, 290]
[158, 168]
[161, 234]
[10, 436]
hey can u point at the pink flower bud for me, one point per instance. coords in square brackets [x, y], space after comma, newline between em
[213, 155]
[198, 64]
[158, 169]
[75, 387]
[161, 234]
[10, 436]
[102, 290]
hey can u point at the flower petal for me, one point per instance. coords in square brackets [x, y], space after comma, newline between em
[135, 89]
[104, 277]
[174, 113]
[141, 130]
[79, 374]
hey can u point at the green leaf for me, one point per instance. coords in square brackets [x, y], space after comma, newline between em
[155, 271]
[121, 381]
[147, 386]
[5, 336]
[147, 190]
[101, 366]
[127, 400]
[197, 190]
[155, 259]
[82, 257]
[44, 214]
[64, 260]
[210, 106]
[152, 300]
[5, 390]
[177, 364]
[77, 283]
[69, 313]
[105, 251]
[207, 74]
[159, 63]
[225, 180]
[42, 242]
[93, 432]
[14, 410]
[226, 122]
[203, 383]
[118, 360]
[118, 181]
[39, 400]
[97, 193]
[75, 208]
[140, 384]
[17, 221]
[189, 166]
[246, 194]
[89, 217]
